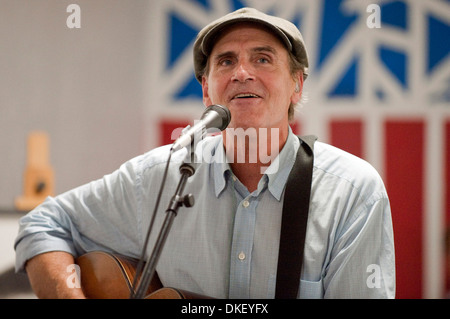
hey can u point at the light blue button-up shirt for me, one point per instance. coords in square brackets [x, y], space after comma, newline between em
[226, 245]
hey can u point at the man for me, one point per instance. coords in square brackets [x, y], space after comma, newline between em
[226, 246]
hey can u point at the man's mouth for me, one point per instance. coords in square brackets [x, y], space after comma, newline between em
[245, 96]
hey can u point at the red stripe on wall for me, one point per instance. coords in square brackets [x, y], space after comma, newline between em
[170, 130]
[296, 128]
[447, 207]
[447, 173]
[404, 164]
[347, 134]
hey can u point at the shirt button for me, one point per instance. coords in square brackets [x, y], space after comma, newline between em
[241, 255]
[245, 203]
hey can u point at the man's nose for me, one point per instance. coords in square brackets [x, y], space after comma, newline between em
[242, 73]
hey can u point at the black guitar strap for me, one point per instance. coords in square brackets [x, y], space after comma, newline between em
[294, 220]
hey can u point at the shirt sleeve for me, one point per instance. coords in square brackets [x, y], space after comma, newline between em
[98, 215]
[362, 262]
[349, 249]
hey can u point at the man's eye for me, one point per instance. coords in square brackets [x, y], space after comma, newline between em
[226, 62]
[263, 60]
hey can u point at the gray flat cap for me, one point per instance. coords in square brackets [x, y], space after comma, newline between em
[284, 29]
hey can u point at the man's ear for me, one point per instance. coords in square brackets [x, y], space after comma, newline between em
[206, 98]
[297, 95]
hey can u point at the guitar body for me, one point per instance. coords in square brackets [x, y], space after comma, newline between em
[109, 276]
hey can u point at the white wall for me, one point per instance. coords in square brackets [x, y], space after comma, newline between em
[85, 87]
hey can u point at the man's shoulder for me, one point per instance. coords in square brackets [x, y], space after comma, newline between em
[345, 166]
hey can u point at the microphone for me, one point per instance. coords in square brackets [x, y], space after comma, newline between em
[215, 116]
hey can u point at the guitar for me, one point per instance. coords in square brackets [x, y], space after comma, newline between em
[110, 276]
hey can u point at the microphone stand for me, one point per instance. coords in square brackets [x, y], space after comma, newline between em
[186, 170]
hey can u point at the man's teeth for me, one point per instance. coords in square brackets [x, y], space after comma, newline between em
[245, 95]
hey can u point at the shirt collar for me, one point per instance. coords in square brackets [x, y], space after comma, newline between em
[277, 173]
[220, 168]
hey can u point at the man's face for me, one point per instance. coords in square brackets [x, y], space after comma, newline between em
[249, 73]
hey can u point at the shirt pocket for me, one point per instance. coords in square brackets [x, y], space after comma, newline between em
[311, 289]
